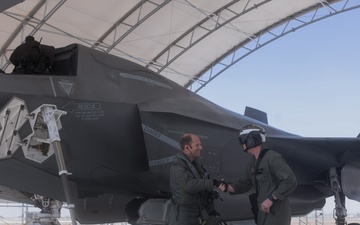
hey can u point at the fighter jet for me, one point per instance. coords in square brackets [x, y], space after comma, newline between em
[98, 133]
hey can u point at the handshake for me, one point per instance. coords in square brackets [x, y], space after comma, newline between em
[218, 183]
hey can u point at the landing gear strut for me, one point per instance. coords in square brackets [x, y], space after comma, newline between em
[340, 211]
[51, 117]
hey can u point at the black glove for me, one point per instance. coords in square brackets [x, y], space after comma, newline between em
[226, 186]
[214, 213]
[217, 183]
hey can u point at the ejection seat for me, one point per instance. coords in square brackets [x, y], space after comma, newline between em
[32, 57]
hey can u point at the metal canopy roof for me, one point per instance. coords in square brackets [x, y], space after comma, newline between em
[188, 41]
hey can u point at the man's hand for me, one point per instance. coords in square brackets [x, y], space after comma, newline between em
[217, 183]
[225, 187]
[265, 206]
[221, 185]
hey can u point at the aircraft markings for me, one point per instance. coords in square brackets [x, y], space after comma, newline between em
[144, 79]
[163, 138]
[85, 110]
[66, 87]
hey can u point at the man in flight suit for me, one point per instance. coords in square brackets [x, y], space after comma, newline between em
[190, 185]
[272, 178]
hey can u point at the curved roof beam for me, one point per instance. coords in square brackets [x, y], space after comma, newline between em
[141, 18]
[214, 17]
[27, 20]
[119, 35]
[21, 25]
[115, 25]
[47, 17]
[263, 38]
[23, 22]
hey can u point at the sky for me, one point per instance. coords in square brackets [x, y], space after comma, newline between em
[308, 82]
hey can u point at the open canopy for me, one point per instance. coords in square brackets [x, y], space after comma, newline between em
[187, 41]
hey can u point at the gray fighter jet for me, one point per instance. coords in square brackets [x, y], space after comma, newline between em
[100, 133]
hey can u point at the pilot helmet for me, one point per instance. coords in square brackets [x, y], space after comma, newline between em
[252, 136]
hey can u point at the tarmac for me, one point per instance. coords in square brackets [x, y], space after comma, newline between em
[327, 219]
[311, 219]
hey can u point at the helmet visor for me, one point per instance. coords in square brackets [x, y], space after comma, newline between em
[242, 139]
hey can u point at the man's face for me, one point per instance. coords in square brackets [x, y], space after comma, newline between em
[195, 147]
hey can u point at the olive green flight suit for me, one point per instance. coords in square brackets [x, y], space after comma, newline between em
[274, 177]
[191, 188]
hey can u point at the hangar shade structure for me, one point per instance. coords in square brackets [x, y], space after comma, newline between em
[188, 41]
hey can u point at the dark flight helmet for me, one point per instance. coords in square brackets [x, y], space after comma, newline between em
[252, 136]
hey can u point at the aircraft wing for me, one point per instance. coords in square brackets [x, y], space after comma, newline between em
[311, 158]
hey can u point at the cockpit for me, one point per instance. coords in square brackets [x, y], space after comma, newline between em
[34, 58]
